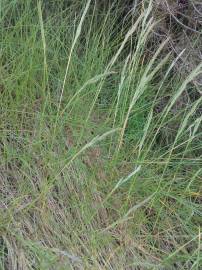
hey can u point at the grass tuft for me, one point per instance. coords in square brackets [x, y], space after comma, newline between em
[100, 141]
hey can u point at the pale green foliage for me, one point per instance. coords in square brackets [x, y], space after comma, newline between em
[90, 177]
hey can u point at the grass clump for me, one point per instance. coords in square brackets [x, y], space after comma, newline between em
[90, 177]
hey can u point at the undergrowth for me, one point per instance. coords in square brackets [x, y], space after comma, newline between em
[100, 161]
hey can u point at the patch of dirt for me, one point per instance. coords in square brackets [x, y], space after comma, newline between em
[181, 22]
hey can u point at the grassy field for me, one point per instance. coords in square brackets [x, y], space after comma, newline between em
[100, 159]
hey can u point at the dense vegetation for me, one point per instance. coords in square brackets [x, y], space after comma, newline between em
[100, 140]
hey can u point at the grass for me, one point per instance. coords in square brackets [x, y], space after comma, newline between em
[92, 177]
